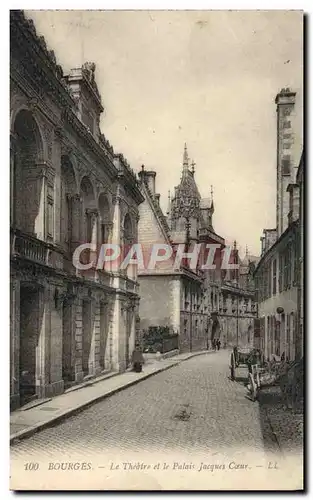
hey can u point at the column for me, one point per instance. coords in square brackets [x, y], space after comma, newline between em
[108, 264]
[76, 220]
[132, 326]
[43, 346]
[41, 223]
[116, 230]
[56, 345]
[12, 179]
[92, 215]
[119, 334]
[14, 343]
[94, 358]
[78, 364]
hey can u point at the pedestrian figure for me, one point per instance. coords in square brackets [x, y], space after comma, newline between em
[218, 342]
[137, 359]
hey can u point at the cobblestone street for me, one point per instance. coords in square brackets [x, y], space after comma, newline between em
[188, 415]
[191, 406]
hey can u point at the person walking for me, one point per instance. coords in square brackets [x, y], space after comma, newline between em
[137, 359]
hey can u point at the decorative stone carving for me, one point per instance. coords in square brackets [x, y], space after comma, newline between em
[42, 42]
[89, 71]
[287, 111]
[52, 56]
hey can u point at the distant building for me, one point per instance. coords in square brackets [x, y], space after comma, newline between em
[278, 275]
[197, 304]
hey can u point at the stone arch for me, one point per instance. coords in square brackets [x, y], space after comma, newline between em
[105, 215]
[22, 110]
[27, 180]
[89, 212]
[128, 231]
[88, 193]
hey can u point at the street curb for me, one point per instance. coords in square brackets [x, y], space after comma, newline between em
[68, 413]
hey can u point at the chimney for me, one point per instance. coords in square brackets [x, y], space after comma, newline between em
[157, 198]
[294, 202]
[148, 176]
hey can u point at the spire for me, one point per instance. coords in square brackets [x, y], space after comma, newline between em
[235, 245]
[193, 165]
[185, 160]
[247, 253]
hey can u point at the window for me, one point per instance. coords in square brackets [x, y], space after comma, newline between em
[287, 145]
[286, 136]
[274, 276]
[287, 267]
[287, 124]
[285, 164]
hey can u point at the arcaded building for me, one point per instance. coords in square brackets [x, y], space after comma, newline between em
[68, 187]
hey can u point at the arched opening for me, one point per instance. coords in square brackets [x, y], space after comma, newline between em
[31, 317]
[28, 189]
[88, 219]
[68, 189]
[105, 218]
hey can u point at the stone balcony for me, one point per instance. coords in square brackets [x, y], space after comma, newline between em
[32, 249]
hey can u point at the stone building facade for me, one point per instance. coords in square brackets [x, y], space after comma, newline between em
[170, 296]
[198, 304]
[278, 274]
[68, 187]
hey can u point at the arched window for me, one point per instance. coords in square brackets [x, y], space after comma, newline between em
[29, 194]
[68, 188]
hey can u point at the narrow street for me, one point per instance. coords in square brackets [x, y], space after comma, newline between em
[192, 406]
[191, 417]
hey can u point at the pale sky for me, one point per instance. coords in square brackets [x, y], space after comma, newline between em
[208, 78]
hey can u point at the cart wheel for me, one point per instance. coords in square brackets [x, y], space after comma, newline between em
[232, 367]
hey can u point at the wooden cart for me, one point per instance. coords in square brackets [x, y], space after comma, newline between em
[243, 356]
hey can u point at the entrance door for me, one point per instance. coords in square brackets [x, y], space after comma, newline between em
[29, 335]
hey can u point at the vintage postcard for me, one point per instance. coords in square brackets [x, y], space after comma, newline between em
[156, 251]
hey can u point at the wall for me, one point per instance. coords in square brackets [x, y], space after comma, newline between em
[268, 309]
[155, 303]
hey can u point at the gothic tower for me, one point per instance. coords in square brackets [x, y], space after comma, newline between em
[285, 104]
[185, 205]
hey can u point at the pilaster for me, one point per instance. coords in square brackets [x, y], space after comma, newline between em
[78, 366]
[14, 343]
[44, 341]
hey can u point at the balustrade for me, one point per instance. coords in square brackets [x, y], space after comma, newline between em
[35, 250]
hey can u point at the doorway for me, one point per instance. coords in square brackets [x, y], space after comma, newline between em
[30, 323]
